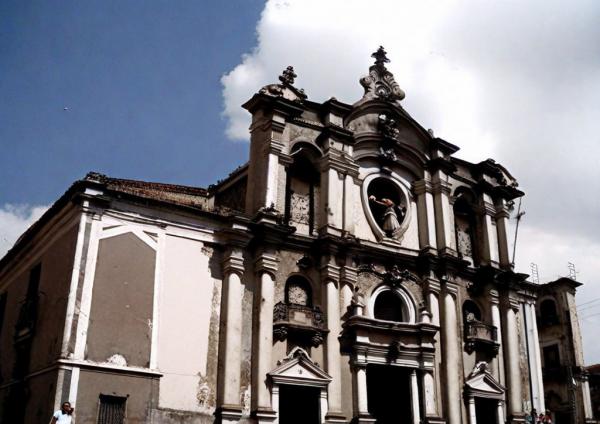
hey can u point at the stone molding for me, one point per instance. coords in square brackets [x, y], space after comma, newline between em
[349, 275]
[267, 263]
[432, 285]
[234, 262]
[422, 187]
[441, 187]
[330, 272]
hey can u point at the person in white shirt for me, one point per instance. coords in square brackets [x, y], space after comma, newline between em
[64, 415]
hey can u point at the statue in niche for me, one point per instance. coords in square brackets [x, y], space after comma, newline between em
[392, 215]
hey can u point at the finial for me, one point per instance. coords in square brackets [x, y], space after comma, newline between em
[288, 76]
[380, 57]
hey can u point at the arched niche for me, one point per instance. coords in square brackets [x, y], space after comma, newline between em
[303, 187]
[471, 311]
[386, 203]
[298, 291]
[465, 225]
[392, 304]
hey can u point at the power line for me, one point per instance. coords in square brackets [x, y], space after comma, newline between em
[589, 301]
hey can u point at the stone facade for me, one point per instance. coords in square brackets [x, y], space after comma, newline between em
[353, 271]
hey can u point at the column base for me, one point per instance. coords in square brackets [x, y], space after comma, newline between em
[335, 417]
[264, 415]
[435, 420]
[517, 419]
[228, 414]
[363, 419]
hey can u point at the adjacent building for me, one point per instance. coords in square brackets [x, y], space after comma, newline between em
[353, 270]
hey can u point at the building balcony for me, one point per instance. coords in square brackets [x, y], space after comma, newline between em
[481, 337]
[299, 321]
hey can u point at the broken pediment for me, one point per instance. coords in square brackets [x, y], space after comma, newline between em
[298, 368]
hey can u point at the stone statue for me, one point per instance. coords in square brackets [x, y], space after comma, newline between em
[391, 222]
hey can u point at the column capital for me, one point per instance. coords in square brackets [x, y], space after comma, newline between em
[349, 275]
[441, 187]
[432, 285]
[512, 303]
[450, 287]
[267, 263]
[494, 296]
[422, 187]
[234, 262]
[330, 271]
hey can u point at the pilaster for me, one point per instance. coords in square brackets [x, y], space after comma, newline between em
[451, 353]
[423, 190]
[444, 217]
[265, 267]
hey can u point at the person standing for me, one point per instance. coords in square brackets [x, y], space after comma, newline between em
[64, 415]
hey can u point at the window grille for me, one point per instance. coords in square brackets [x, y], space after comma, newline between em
[112, 409]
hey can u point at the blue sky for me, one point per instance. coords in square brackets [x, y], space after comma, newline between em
[141, 84]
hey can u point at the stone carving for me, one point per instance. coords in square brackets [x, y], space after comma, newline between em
[393, 277]
[388, 154]
[288, 76]
[203, 395]
[300, 206]
[118, 360]
[463, 238]
[380, 83]
[297, 294]
[286, 88]
[388, 127]
[479, 368]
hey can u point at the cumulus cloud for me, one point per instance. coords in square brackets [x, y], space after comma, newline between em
[14, 220]
[514, 81]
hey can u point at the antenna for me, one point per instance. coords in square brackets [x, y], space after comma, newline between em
[535, 275]
[572, 271]
[518, 217]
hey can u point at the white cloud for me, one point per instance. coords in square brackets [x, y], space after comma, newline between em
[514, 81]
[14, 220]
[552, 252]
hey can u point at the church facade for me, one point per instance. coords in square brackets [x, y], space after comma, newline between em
[353, 270]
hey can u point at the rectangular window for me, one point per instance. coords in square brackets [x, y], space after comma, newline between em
[112, 409]
[551, 357]
[28, 312]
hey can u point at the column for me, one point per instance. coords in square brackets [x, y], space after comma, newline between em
[535, 363]
[359, 386]
[444, 217]
[472, 412]
[500, 412]
[513, 370]
[587, 401]
[430, 394]
[414, 397]
[498, 361]
[230, 409]
[490, 233]
[426, 215]
[266, 267]
[502, 216]
[432, 290]
[330, 275]
[452, 363]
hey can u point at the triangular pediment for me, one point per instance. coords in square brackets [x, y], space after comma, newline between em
[483, 384]
[298, 368]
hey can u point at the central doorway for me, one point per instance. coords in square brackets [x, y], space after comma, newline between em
[486, 410]
[299, 404]
[388, 394]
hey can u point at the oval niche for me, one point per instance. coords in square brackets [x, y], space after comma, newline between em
[386, 207]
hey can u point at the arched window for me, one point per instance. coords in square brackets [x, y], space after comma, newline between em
[465, 225]
[302, 188]
[388, 306]
[298, 291]
[392, 304]
[548, 313]
[471, 312]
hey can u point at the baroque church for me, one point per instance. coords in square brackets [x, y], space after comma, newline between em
[353, 270]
